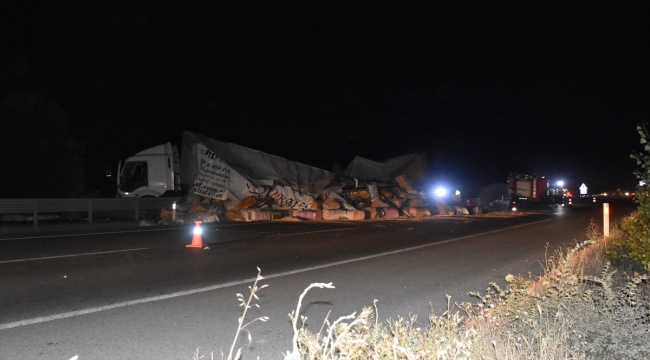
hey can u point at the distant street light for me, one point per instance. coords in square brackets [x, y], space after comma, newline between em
[560, 183]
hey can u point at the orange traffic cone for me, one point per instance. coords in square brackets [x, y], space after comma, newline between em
[197, 242]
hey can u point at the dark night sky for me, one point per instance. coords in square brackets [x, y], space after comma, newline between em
[482, 91]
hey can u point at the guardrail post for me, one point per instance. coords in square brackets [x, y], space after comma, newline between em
[137, 215]
[35, 214]
[90, 210]
[606, 219]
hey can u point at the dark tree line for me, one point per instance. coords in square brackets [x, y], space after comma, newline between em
[39, 158]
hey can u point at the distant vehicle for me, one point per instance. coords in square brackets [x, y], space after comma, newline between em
[153, 172]
[533, 191]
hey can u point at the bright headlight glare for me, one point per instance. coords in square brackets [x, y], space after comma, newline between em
[440, 191]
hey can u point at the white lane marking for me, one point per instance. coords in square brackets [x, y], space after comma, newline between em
[236, 283]
[306, 232]
[65, 256]
[123, 232]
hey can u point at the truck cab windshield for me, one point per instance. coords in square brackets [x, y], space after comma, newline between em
[134, 175]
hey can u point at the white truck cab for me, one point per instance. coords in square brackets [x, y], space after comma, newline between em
[151, 172]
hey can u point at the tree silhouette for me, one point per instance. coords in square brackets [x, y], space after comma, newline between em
[39, 158]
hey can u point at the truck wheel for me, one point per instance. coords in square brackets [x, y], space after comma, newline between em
[149, 214]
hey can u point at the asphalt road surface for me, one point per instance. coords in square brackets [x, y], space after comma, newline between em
[144, 295]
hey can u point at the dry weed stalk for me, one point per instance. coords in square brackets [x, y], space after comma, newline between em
[247, 305]
[198, 356]
[294, 315]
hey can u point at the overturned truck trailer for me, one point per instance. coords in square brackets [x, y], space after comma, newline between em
[222, 177]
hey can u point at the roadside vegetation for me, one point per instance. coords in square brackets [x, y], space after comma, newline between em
[591, 301]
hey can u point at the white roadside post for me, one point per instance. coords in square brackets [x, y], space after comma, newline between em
[174, 211]
[606, 219]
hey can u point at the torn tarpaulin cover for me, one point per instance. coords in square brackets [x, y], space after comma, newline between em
[252, 172]
[413, 166]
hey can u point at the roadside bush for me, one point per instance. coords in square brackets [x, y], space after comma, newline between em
[634, 245]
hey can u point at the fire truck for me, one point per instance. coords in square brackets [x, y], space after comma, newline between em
[527, 191]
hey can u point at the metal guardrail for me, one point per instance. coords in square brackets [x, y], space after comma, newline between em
[36, 206]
